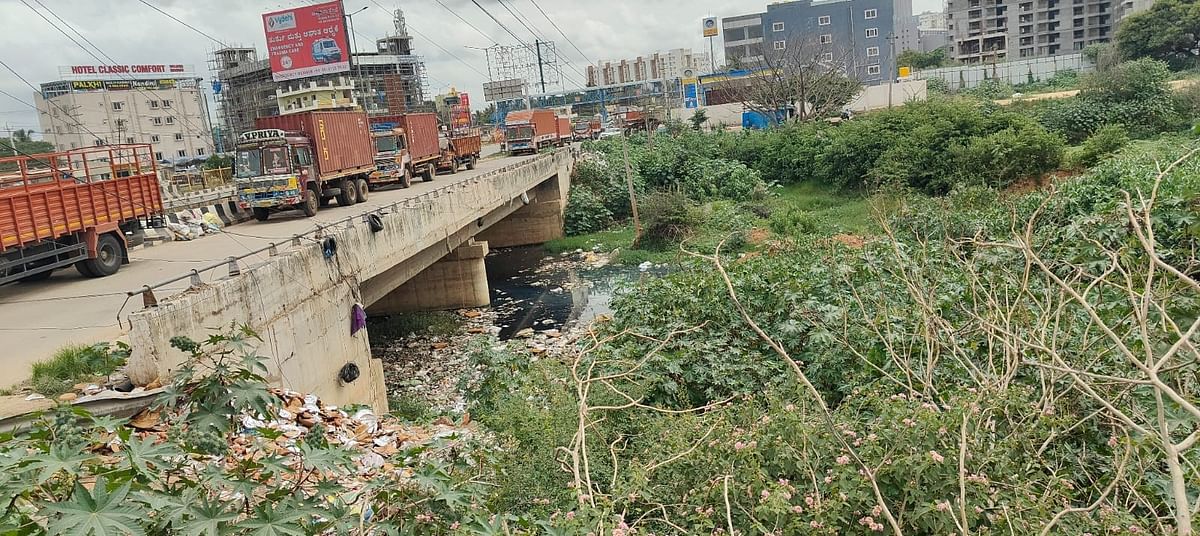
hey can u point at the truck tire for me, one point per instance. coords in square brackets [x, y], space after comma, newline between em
[406, 179]
[470, 162]
[311, 204]
[427, 176]
[364, 189]
[454, 166]
[108, 257]
[348, 194]
[261, 214]
[84, 270]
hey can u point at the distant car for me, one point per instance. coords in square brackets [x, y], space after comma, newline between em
[326, 51]
[609, 133]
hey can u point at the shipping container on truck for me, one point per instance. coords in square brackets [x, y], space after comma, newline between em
[83, 207]
[460, 147]
[564, 130]
[529, 131]
[406, 146]
[303, 161]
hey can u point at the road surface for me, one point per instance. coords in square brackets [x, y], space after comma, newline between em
[36, 319]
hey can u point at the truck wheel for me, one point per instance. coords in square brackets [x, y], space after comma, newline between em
[310, 204]
[261, 214]
[108, 257]
[406, 179]
[470, 162]
[348, 195]
[84, 270]
[429, 173]
[454, 166]
[363, 189]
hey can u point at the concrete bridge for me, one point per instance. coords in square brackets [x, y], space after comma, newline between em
[427, 256]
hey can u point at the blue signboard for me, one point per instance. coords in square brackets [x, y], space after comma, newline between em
[689, 96]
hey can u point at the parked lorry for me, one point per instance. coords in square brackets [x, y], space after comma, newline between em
[529, 131]
[564, 130]
[406, 146]
[460, 147]
[588, 130]
[303, 161]
[83, 207]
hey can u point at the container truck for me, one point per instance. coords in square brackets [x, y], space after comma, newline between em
[564, 130]
[460, 147]
[406, 146]
[83, 207]
[529, 131]
[303, 161]
[588, 130]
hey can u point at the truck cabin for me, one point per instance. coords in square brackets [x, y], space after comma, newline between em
[389, 142]
[518, 132]
[265, 153]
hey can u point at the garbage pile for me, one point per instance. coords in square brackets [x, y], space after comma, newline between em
[191, 228]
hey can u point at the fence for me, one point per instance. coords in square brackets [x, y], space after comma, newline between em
[1013, 72]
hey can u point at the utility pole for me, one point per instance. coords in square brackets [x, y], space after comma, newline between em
[637, 223]
[894, 71]
[541, 70]
[12, 142]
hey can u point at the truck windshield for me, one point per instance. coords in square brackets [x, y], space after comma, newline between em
[522, 132]
[276, 161]
[249, 163]
[386, 144]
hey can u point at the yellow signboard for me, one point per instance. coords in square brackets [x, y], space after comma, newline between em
[710, 27]
[905, 71]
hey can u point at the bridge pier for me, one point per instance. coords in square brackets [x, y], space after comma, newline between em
[538, 222]
[457, 281]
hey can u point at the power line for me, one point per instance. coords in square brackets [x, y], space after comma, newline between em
[434, 43]
[465, 21]
[560, 32]
[172, 17]
[520, 17]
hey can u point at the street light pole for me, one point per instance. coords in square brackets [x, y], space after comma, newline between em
[354, 50]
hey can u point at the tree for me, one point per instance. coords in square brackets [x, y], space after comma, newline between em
[923, 60]
[1168, 31]
[698, 119]
[486, 115]
[804, 81]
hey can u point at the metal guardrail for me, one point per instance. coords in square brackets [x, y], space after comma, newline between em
[147, 291]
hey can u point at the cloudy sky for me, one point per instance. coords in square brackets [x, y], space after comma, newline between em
[131, 32]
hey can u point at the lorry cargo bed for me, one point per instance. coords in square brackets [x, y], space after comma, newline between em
[341, 139]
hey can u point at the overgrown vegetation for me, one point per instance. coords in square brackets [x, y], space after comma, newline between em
[74, 364]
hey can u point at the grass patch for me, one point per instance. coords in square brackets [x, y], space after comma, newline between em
[608, 240]
[76, 364]
[410, 409]
[438, 323]
[834, 211]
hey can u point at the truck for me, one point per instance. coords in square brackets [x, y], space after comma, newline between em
[529, 131]
[84, 207]
[564, 130]
[588, 130]
[406, 145]
[460, 147]
[302, 161]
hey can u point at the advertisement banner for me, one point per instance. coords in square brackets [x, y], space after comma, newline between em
[307, 41]
[710, 27]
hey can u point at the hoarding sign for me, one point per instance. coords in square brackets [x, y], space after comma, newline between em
[689, 94]
[139, 71]
[123, 85]
[710, 27]
[307, 41]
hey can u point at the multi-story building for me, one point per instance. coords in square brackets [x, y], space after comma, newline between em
[931, 39]
[931, 20]
[861, 35]
[389, 80]
[669, 65]
[92, 105]
[995, 30]
[308, 95]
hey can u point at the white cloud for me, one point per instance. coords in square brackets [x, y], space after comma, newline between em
[135, 33]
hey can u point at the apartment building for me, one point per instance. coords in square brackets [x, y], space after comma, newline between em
[667, 65]
[94, 105]
[996, 30]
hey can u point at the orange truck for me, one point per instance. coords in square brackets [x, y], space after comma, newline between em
[83, 207]
[406, 146]
[564, 130]
[529, 131]
[460, 147]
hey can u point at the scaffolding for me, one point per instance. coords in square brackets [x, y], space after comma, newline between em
[537, 64]
[389, 80]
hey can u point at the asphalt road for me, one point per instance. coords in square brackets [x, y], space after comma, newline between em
[36, 319]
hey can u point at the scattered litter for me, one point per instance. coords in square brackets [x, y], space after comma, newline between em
[35, 396]
[645, 266]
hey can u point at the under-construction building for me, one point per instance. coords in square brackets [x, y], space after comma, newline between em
[388, 80]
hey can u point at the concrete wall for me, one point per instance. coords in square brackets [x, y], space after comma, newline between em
[876, 97]
[300, 302]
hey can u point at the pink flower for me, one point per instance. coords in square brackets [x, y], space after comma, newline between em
[909, 423]
[943, 506]
[790, 407]
[1134, 529]
[843, 460]
[764, 494]
[797, 509]
[454, 525]
[739, 446]
[570, 516]
[815, 524]
[936, 457]
[828, 480]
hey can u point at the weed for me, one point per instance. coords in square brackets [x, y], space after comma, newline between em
[74, 364]
[439, 323]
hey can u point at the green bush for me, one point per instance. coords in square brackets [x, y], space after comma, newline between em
[1002, 158]
[1103, 143]
[585, 212]
[667, 218]
[1135, 94]
[1143, 79]
[1187, 102]
[792, 221]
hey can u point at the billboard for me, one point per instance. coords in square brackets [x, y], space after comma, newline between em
[710, 26]
[137, 71]
[307, 41]
[126, 85]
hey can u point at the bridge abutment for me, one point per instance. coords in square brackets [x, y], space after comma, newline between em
[457, 281]
[538, 222]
